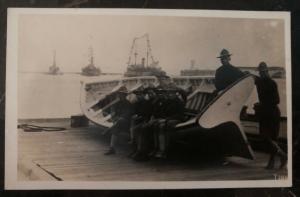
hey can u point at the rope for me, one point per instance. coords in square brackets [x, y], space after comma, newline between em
[35, 128]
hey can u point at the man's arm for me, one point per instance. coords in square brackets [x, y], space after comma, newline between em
[276, 94]
[218, 81]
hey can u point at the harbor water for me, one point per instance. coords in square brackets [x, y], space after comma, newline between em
[51, 96]
[58, 96]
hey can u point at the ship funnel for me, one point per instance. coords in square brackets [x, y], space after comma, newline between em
[143, 62]
[193, 64]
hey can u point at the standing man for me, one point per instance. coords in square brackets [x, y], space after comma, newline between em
[227, 73]
[268, 114]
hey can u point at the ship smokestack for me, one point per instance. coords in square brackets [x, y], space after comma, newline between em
[143, 62]
[192, 64]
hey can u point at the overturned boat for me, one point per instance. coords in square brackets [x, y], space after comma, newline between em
[209, 117]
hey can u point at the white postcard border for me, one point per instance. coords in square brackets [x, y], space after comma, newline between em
[11, 181]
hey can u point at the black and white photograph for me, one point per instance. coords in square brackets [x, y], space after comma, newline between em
[147, 99]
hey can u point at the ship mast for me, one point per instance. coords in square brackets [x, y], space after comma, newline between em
[148, 47]
[54, 58]
[192, 64]
[133, 52]
[91, 56]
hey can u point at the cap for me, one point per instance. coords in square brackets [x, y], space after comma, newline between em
[262, 66]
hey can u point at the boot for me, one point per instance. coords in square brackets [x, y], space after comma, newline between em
[283, 159]
[271, 162]
[111, 151]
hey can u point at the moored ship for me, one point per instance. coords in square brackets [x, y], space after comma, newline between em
[91, 69]
[194, 71]
[144, 68]
[274, 71]
[54, 70]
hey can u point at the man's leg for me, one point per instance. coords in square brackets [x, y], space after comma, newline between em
[115, 130]
[113, 142]
[275, 149]
[165, 129]
[160, 153]
[282, 155]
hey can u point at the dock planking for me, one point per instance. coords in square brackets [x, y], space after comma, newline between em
[76, 154]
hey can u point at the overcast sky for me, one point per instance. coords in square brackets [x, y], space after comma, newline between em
[174, 41]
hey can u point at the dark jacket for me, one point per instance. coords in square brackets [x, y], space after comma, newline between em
[169, 106]
[267, 110]
[123, 109]
[267, 92]
[226, 75]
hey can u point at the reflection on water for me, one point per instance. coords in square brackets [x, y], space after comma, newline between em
[57, 96]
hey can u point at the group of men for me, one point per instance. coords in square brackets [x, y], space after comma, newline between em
[151, 113]
[147, 113]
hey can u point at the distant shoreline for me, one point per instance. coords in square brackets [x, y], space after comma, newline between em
[79, 73]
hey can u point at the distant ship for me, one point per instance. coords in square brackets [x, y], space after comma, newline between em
[194, 71]
[91, 69]
[135, 69]
[274, 71]
[54, 70]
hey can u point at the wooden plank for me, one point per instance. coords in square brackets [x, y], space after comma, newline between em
[77, 154]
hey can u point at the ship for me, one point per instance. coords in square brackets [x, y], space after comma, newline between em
[144, 68]
[54, 69]
[194, 71]
[275, 72]
[204, 110]
[91, 69]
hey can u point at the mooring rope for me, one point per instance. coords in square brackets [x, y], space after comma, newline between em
[35, 128]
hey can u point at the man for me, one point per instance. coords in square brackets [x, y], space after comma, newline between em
[227, 73]
[143, 111]
[122, 113]
[140, 128]
[172, 113]
[268, 114]
[165, 111]
[168, 111]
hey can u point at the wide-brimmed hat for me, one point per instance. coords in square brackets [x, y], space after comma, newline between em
[224, 53]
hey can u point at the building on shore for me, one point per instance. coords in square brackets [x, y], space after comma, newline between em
[274, 71]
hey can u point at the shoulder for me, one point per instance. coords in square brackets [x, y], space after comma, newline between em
[220, 69]
[273, 82]
[234, 68]
[257, 79]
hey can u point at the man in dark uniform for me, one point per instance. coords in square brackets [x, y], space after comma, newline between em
[151, 134]
[143, 112]
[142, 124]
[172, 113]
[227, 73]
[168, 111]
[122, 113]
[268, 114]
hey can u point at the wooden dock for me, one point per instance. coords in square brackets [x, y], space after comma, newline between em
[77, 154]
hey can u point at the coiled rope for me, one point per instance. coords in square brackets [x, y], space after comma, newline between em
[35, 128]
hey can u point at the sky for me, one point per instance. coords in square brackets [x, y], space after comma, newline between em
[175, 41]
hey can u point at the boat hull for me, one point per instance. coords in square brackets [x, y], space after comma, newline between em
[212, 118]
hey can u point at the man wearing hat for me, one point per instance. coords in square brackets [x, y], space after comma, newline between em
[227, 73]
[268, 114]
